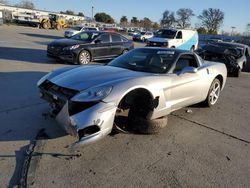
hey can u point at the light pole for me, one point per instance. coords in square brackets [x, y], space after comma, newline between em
[92, 13]
[232, 30]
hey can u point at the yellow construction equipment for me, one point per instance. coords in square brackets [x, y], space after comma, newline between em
[54, 22]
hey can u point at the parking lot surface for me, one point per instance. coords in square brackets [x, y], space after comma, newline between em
[206, 147]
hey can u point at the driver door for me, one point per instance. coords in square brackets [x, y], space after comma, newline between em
[187, 88]
[101, 48]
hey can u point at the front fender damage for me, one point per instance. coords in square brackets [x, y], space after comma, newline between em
[89, 125]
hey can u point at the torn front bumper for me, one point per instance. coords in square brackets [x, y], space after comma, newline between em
[101, 116]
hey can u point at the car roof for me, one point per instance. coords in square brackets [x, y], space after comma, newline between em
[175, 50]
[233, 44]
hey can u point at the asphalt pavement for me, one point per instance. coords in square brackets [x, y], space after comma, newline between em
[200, 147]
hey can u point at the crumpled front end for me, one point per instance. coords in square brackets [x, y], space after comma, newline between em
[87, 121]
[89, 125]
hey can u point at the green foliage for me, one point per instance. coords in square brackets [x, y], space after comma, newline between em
[103, 17]
[124, 19]
[80, 14]
[201, 30]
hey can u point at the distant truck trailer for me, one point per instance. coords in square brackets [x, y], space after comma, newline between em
[1, 18]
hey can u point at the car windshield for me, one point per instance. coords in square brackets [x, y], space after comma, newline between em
[76, 28]
[146, 60]
[85, 36]
[166, 33]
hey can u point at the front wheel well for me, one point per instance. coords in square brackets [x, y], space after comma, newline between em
[135, 97]
[220, 78]
[138, 103]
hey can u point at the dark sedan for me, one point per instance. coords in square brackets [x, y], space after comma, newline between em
[88, 46]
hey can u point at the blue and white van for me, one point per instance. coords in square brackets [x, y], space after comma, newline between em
[185, 39]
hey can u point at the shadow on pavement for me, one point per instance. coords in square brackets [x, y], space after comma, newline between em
[22, 117]
[247, 67]
[25, 55]
[41, 36]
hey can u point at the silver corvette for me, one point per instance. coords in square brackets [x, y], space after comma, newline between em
[133, 93]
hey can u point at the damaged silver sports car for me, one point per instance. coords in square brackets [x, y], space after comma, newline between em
[133, 93]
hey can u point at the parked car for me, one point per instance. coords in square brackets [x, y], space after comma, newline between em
[143, 36]
[110, 29]
[87, 46]
[146, 36]
[234, 55]
[133, 32]
[137, 36]
[175, 38]
[134, 92]
[77, 29]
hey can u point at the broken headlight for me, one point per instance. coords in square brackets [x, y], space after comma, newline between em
[43, 79]
[93, 94]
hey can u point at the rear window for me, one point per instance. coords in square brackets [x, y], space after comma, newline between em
[116, 38]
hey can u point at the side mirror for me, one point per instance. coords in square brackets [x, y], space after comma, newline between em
[97, 41]
[189, 70]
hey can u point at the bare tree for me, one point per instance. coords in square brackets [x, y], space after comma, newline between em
[211, 19]
[184, 17]
[168, 19]
[26, 4]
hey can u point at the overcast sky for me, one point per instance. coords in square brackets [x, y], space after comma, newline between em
[237, 12]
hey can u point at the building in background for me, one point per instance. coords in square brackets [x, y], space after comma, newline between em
[19, 15]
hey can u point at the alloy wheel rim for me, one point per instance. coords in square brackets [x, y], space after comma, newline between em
[214, 94]
[84, 58]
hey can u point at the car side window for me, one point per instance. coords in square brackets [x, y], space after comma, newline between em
[105, 38]
[116, 38]
[179, 35]
[186, 60]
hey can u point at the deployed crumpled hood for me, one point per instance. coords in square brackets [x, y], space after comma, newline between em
[84, 77]
[67, 42]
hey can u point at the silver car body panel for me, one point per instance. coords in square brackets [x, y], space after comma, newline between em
[174, 91]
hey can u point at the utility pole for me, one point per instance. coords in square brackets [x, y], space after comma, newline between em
[92, 13]
[232, 30]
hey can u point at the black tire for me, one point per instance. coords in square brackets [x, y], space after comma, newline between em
[210, 100]
[84, 57]
[46, 25]
[172, 46]
[237, 73]
[58, 27]
[144, 126]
